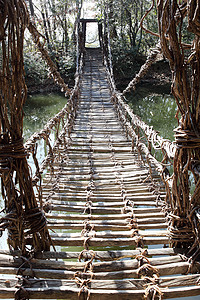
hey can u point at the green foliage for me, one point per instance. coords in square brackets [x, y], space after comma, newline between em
[126, 62]
[157, 110]
[125, 17]
[55, 20]
[66, 64]
[35, 68]
[129, 42]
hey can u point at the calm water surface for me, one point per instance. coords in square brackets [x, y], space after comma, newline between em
[39, 109]
[156, 109]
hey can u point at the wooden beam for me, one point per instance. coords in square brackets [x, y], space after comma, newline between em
[89, 20]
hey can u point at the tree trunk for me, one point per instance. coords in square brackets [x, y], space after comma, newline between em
[48, 23]
[45, 24]
[31, 8]
[184, 220]
[65, 31]
[23, 216]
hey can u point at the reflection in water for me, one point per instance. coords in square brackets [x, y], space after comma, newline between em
[39, 109]
[157, 110]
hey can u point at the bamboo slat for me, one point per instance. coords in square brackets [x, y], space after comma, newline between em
[67, 293]
[108, 242]
[164, 270]
[8, 261]
[126, 284]
[101, 255]
[105, 210]
[97, 227]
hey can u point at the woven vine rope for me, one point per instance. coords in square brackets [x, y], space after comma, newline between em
[23, 218]
[184, 62]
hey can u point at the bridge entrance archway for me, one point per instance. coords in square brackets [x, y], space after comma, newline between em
[92, 32]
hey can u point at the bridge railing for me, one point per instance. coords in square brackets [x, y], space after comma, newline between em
[153, 149]
[57, 128]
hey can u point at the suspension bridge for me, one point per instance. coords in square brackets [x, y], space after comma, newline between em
[103, 199]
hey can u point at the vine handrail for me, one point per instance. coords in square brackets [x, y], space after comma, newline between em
[61, 123]
[152, 136]
[182, 204]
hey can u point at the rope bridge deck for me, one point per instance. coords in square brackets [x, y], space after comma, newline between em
[105, 214]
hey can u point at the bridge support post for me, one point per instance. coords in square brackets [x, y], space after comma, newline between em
[184, 217]
[24, 220]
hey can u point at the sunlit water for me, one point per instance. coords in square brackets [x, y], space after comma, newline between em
[39, 109]
[156, 109]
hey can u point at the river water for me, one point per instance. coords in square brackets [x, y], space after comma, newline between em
[39, 109]
[156, 108]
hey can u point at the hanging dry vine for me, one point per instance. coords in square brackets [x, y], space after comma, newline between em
[185, 66]
[152, 57]
[23, 218]
[53, 69]
[135, 127]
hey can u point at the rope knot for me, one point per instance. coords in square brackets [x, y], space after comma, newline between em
[87, 255]
[21, 293]
[35, 219]
[83, 285]
[138, 238]
[153, 292]
[142, 260]
[88, 208]
[147, 270]
[132, 223]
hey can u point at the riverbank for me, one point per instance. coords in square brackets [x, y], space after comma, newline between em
[158, 76]
[47, 86]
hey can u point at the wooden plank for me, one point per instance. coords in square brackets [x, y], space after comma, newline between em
[106, 184]
[79, 226]
[69, 200]
[69, 293]
[101, 255]
[164, 270]
[103, 192]
[136, 176]
[74, 180]
[126, 284]
[98, 142]
[99, 210]
[126, 158]
[140, 218]
[113, 234]
[61, 199]
[107, 242]
[103, 186]
[146, 199]
[111, 266]
[67, 169]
